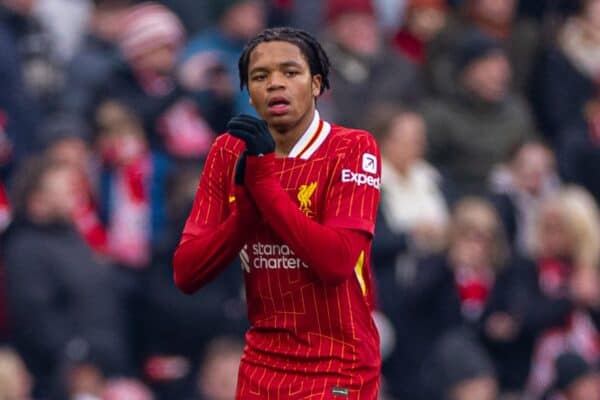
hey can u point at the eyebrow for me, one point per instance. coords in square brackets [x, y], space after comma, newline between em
[285, 64]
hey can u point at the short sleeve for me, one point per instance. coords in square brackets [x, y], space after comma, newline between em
[353, 196]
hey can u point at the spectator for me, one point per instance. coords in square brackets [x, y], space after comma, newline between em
[84, 381]
[55, 284]
[126, 388]
[423, 21]
[150, 40]
[519, 185]
[217, 378]
[459, 369]
[363, 68]
[569, 73]
[493, 18]
[26, 75]
[413, 212]
[214, 54]
[65, 140]
[449, 289]
[579, 150]
[15, 380]
[565, 282]
[96, 58]
[575, 379]
[472, 130]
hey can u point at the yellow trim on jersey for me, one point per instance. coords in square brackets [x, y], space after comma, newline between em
[358, 270]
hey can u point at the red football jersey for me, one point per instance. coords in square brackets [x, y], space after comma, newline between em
[308, 339]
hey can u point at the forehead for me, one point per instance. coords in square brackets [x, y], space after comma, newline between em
[275, 53]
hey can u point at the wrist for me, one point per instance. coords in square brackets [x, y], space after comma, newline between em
[259, 169]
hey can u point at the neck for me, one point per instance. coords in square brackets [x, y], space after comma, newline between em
[286, 137]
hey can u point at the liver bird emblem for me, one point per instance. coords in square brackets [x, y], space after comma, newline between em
[305, 193]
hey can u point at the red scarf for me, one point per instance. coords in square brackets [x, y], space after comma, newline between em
[473, 291]
[86, 218]
[129, 220]
[411, 46]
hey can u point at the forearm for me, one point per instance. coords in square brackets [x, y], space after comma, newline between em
[330, 252]
[206, 251]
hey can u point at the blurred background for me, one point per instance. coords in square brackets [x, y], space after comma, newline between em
[487, 250]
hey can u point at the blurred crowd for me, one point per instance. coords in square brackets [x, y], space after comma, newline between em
[487, 246]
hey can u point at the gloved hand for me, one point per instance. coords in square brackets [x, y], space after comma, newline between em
[254, 132]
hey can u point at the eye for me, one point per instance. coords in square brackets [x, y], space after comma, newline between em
[291, 74]
[259, 77]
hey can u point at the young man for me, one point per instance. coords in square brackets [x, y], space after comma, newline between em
[296, 197]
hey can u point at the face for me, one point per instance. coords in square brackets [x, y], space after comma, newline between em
[426, 22]
[488, 78]
[555, 240]
[586, 388]
[280, 85]
[358, 33]
[532, 167]
[475, 389]
[474, 238]
[245, 20]
[591, 13]
[406, 140]
[57, 197]
[160, 60]
[499, 11]
[72, 150]
[220, 379]
[24, 7]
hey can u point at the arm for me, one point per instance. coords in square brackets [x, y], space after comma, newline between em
[212, 235]
[332, 248]
[331, 252]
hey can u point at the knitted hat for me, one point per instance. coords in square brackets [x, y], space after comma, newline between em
[474, 46]
[337, 8]
[148, 26]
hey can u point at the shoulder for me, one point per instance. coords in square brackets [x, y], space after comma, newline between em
[225, 144]
[343, 138]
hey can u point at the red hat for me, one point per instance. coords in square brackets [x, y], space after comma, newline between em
[441, 4]
[336, 8]
[148, 26]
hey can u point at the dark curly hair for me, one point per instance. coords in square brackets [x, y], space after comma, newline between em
[316, 57]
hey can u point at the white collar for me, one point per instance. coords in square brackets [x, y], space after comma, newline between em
[311, 139]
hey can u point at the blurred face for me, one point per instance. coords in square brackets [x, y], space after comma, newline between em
[499, 11]
[220, 378]
[160, 60]
[532, 167]
[245, 20]
[280, 85]
[475, 389]
[406, 141]
[426, 22]
[586, 388]
[57, 199]
[474, 239]
[120, 137]
[489, 77]
[106, 20]
[357, 33]
[72, 151]
[591, 13]
[555, 240]
[24, 7]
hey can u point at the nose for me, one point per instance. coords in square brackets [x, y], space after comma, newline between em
[276, 81]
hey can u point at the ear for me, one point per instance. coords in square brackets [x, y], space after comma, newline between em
[317, 81]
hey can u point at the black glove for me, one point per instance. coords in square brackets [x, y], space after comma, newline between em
[254, 132]
[240, 169]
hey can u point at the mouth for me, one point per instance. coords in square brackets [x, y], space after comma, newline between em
[278, 105]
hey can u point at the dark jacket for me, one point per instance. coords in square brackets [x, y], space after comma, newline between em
[63, 306]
